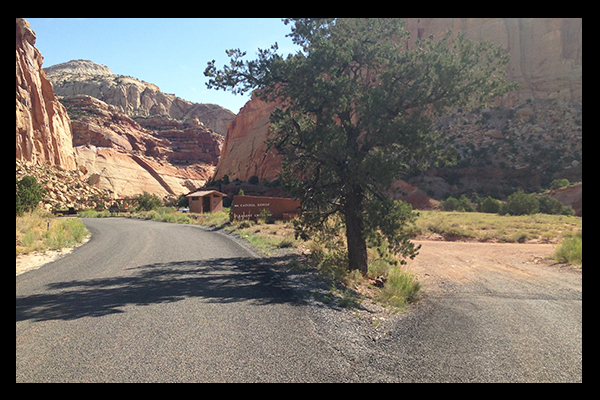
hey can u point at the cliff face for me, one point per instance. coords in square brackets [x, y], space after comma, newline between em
[159, 155]
[42, 124]
[546, 53]
[531, 137]
[100, 150]
[132, 96]
[243, 153]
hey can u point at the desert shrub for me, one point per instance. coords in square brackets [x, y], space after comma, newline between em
[454, 204]
[29, 194]
[550, 205]
[40, 231]
[450, 204]
[570, 250]
[147, 202]
[64, 232]
[520, 203]
[490, 205]
[465, 204]
[400, 288]
[558, 183]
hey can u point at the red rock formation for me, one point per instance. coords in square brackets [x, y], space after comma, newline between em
[42, 124]
[130, 95]
[546, 59]
[243, 153]
[571, 195]
[119, 154]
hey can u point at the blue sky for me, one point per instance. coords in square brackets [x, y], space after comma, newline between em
[170, 53]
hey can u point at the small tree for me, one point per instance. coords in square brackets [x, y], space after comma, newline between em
[450, 204]
[357, 110]
[550, 205]
[29, 194]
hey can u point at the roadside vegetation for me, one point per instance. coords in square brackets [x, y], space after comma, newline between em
[570, 250]
[40, 231]
[37, 230]
[486, 227]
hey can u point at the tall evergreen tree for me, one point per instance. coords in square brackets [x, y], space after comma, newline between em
[358, 109]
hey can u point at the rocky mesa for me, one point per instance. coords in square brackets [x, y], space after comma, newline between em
[131, 96]
[117, 153]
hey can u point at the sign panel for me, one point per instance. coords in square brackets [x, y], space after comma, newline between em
[253, 207]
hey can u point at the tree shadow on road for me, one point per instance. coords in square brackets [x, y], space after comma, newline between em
[220, 280]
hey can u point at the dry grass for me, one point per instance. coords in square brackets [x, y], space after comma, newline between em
[41, 231]
[542, 228]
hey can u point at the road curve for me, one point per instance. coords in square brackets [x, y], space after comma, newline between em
[145, 301]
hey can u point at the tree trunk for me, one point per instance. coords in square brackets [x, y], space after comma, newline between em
[357, 245]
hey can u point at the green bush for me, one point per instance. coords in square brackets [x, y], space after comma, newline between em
[490, 205]
[147, 202]
[29, 194]
[550, 205]
[450, 204]
[520, 203]
[558, 183]
[453, 204]
[570, 250]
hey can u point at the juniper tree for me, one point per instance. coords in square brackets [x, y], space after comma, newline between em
[358, 108]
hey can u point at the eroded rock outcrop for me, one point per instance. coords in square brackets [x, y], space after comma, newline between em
[119, 154]
[132, 96]
[42, 125]
[244, 151]
[546, 53]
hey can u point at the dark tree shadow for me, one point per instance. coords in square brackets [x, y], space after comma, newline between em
[221, 280]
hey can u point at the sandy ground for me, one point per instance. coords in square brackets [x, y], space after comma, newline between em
[35, 260]
[441, 264]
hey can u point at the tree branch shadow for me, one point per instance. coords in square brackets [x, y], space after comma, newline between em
[220, 280]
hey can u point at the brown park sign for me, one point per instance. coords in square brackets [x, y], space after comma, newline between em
[251, 207]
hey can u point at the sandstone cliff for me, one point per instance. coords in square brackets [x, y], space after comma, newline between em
[42, 125]
[546, 53]
[132, 96]
[527, 139]
[244, 150]
[100, 151]
[116, 153]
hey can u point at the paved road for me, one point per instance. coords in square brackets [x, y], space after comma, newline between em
[146, 301]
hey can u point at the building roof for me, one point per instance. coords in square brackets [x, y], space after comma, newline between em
[202, 193]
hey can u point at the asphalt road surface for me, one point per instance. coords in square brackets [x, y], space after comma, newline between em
[145, 301]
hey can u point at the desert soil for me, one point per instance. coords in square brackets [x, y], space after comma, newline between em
[35, 260]
[442, 265]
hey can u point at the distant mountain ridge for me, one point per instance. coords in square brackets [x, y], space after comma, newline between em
[132, 96]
